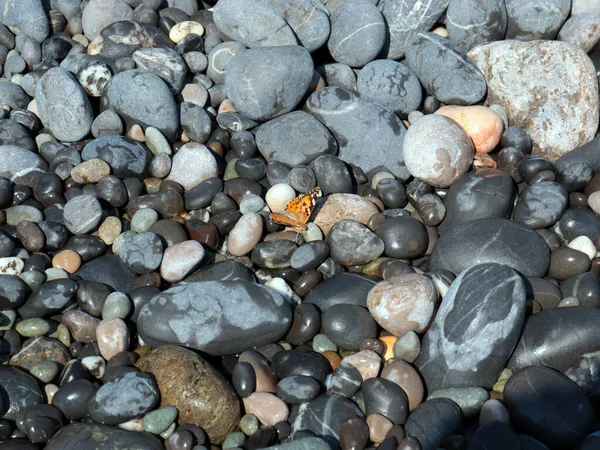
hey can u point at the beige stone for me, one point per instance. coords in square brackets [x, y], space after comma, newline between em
[343, 206]
[407, 377]
[182, 29]
[268, 408]
[367, 362]
[112, 336]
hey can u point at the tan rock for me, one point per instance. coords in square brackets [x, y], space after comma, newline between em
[268, 408]
[182, 29]
[112, 336]
[245, 234]
[68, 260]
[90, 171]
[198, 391]
[367, 362]
[407, 377]
[343, 206]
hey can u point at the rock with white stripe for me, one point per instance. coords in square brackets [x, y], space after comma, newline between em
[475, 330]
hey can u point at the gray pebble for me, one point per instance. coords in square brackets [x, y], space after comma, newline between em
[82, 214]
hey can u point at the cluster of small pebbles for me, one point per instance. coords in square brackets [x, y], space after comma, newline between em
[443, 294]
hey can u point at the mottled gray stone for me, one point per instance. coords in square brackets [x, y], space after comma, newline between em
[549, 339]
[295, 138]
[267, 82]
[12, 94]
[126, 157]
[536, 19]
[369, 136]
[220, 57]
[358, 33]
[18, 161]
[144, 98]
[445, 70]
[13, 133]
[337, 74]
[351, 243]
[82, 214]
[124, 398]
[470, 23]
[253, 23]
[50, 298]
[541, 205]
[74, 63]
[491, 240]
[406, 19]
[89, 436]
[63, 106]
[196, 122]
[392, 85]
[27, 17]
[216, 317]
[164, 62]
[564, 112]
[19, 390]
[582, 30]
[467, 346]
[142, 253]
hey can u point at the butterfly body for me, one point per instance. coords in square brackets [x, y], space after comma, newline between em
[298, 211]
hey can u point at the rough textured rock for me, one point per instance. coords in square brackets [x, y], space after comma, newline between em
[548, 88]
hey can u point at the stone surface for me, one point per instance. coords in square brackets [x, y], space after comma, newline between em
[369, 136]
[267, 82]
[241, 315]
[457, 353]
[26, 16]
[18, 161]
[199, 392]
[472, 24]
[101, 437]
[343, 206]
[100, 13]
[192, 164]
[536, 19]
[126, 157]
[541, 205]
[352, 243]
[563, 114]
[20, 390]
[433, 421]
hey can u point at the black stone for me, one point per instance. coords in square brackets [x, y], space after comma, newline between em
[296, 362]
[348, 325]
[432, 421]
[297, 389]
[386, 398]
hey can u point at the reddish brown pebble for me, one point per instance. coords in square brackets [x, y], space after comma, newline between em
[379, 426]
[333, 358]
[68, 260]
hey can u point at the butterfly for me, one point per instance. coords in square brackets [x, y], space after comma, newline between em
[298, 210]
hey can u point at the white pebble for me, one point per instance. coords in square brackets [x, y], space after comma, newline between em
[182, 29]
[11, 266]
[95, 365]
[278, 196]
[585, 245]
[281, 286]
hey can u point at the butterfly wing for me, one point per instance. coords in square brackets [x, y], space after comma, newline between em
[298, 210]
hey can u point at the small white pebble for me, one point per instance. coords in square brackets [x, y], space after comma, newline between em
[278, 196]
[585, 245]
[95, 365]
[281, 286]
[132, 425]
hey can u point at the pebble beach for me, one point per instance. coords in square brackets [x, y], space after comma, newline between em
[299, 225]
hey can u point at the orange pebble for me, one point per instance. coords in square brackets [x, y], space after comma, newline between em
[333, 358]
[389, 342]
[482, 124]
[67, 260]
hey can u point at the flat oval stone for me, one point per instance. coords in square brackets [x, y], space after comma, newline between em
[110, 270]
[491, 241]
[126, 157]
[193, 164]
[28, 17]
[297, 389]
[445, 70]
[254, 314]
[348, 325]
[548, 340]
[51, 297]
[254, 24]
[298, 362]
[569, 102]
[369, 135]
[13, 292]
[18, 161]
[73, 398]
[343, 206]
[102, 437]
[454, 344]
[433, 421]
[100, 13]
[469, 399]
[549, 406]
[541, 205]
[143, 98]
[352, 243]
[385, 397]
[267, 82]
[164, 62]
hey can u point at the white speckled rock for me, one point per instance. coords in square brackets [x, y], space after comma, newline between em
[437, 150]
[403, 303]
[278, 196]
[11, 265]
[180, 259]
[193, 164]
[245, 234]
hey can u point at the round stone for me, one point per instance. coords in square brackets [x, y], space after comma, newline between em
[68, 260]
[181, 259]
[483, 125]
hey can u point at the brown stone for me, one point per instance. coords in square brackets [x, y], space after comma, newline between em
[334, 359]
[378, 427]
[266, 381]
[198, 391]
[205, 233]
[39, 350]
[367, 362]
[268, 408]
[112, 336]
[81, 325]
[407, 377]
[68, 260]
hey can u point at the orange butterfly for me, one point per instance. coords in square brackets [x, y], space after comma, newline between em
[298, 211]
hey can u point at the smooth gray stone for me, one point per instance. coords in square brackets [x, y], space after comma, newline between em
[267, 82]
[369, 136]
[536, 19]
[28, 16]
[541, 205]
[18, 161]
[91, 436]
[19, 390]
[120, 39]
[216, 317]
[220, 57]
[253, 23]
[432, 421]
[309, 443]
[50, 298]
[13, 133]
[467, 345]
[143, 98]
[196, 122]
[351, 243]
[295, 139]
[578, 222]
[588, 153]
[124, 398]
[12, 94]
[549, 339]
[358, 33]
[108, 269]
[309, 20]
[164, 62]
[13, 292]
[82, 214]
[445, 70]
[221, 271]
[406, 19]
[479, 194]
[470, 23]
[126, 157]
[344, 288]
[492, 241]
[337, 74]
[392, 85]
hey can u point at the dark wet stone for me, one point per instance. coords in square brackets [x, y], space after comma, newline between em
[548, 338]
[374, 144]
[297, 389]
[51, 297]
[244, 379]
[332, 174]
[386, 398]
[101, 437]
[584, 372]
[19, 391]
[578, 222]
[585, 286]
[305, 324]
[310, 255]
[39, 422]
[567, 262]
[297, 362]
[126, 157]
[88, 247]
[346, 380]
[73, 398]
[221, 271]
[343, 288]
[348, 325]
[169, 203]
[253, 314]
[549, 406]
[491, 241]
[546, 293]
[404, 237]
[13, 292]
[445, 70]
[352, 243]
[196, 122]
[494, 436]
[109, 270]
[251, 168]
[461, 338]
[275, 254]
[541, 205]
[432, 421]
